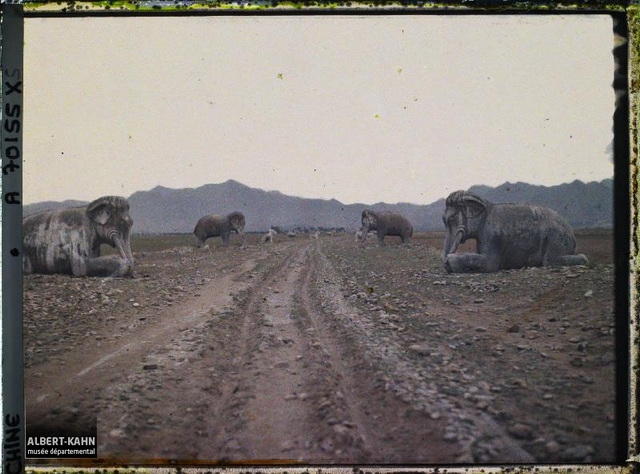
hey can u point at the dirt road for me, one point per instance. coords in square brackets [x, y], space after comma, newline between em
[322, 351]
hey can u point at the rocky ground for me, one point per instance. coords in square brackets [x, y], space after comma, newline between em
[326, 351]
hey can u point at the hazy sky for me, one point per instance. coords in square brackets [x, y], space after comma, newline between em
[357, 108]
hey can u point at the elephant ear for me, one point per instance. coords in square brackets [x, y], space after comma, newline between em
[99, 211]
[473, 205]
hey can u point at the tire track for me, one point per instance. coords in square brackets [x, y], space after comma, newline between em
[286, 414]
[309, 392]
[438, 427]
[82, 383]
[392, 430]
[167, 404]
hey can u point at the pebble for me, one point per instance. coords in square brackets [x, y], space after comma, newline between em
[582, 452]
[483, 403]
[340, 429]
[552, 447]
[520, 431]
[450, 436]
[326, 445]
[288, 445]
[420, 349]
[233, 445]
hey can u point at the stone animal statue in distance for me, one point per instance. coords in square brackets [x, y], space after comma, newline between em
[385, 223]
[220, 226]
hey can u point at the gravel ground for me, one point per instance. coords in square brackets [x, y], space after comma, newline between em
[326, 351]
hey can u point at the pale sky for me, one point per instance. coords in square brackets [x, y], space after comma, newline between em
[356, 108]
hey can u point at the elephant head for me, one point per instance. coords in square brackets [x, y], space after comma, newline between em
[110, 220]
[237, 222]
[463, 216]
[369, 222]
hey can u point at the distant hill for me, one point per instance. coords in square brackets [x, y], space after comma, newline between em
[164, 210]
[48, 205]
[583, 205]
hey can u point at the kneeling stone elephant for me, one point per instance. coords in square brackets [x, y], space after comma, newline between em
[386, 223]
[508, 236]
[220, 226]
[68, 241]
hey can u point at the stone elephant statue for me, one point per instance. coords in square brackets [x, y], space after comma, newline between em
[67, 241]
[508, 236]
[385, 223]
[220, 226]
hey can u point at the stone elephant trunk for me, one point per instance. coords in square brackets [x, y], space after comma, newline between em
[456, 233]
[452, 240]
[123, 246]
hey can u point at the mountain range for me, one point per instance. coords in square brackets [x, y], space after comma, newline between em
[164, 210]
